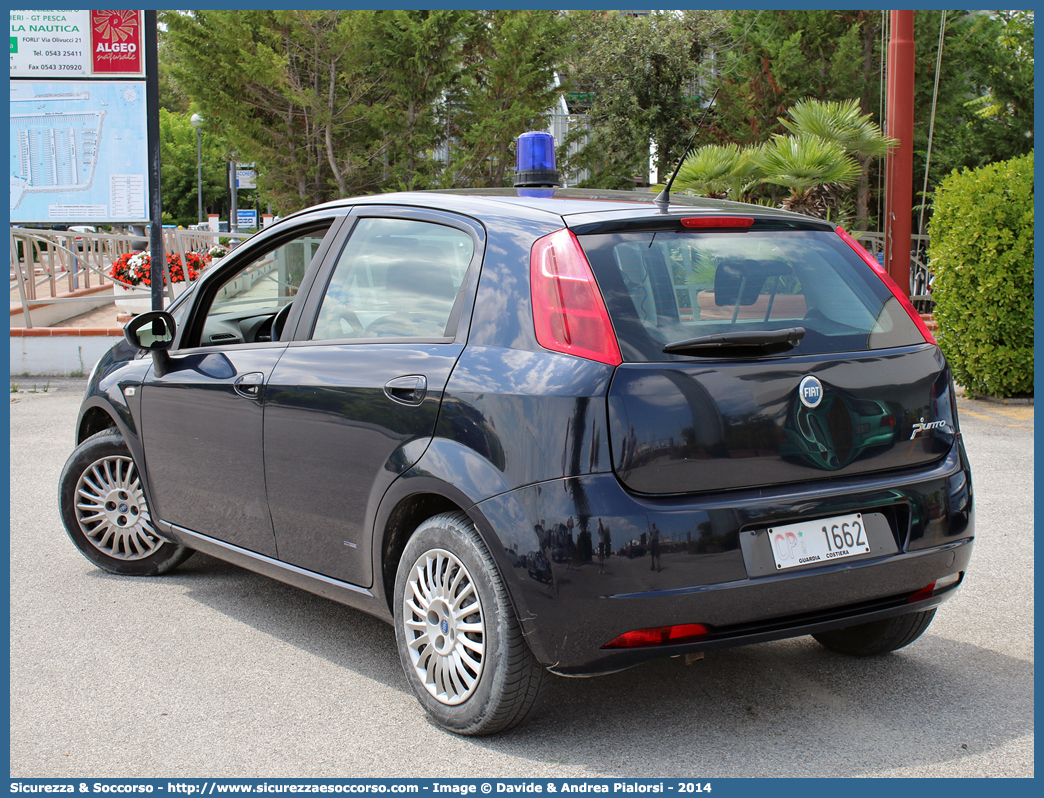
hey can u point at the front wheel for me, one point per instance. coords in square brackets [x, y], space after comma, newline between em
[105, 513]
[877, 637]
[460, 644]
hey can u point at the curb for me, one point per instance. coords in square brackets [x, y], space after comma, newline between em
[45, 332]
[997, 400]
[964, 393]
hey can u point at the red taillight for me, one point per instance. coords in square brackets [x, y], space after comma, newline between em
[717, 221]
[568, 312]
[887, 278]
[658, 636]
[922, 594]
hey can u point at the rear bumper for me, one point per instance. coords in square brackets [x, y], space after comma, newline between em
[571, 603]
[738, 600]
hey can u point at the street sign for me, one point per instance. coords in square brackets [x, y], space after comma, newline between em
[246, 178]
[246, 219]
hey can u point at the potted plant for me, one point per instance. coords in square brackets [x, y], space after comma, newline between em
[134, 269]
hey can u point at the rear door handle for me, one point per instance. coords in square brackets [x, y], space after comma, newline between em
[249, 385]
[408, 390]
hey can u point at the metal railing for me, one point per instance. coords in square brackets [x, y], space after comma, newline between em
[921, 277]
[47, 263]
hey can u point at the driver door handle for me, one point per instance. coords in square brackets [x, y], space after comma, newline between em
[249, 385]
[408, 390]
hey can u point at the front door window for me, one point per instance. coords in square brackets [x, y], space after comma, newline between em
[395, 279]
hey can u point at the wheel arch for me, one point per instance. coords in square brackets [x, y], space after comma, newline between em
[448, 477]
[410, 501]
[107, 407]
[93, 420]
[99, 412]
[402, 521]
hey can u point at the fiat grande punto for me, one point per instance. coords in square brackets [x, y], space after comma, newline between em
[539, 435]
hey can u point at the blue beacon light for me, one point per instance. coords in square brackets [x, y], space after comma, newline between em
[535, 175]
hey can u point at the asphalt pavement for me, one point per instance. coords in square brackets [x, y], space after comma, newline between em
[213, 671]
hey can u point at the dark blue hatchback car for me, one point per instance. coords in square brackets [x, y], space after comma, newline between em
[561, 434]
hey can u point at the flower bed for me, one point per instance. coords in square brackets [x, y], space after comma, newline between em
[134, 269]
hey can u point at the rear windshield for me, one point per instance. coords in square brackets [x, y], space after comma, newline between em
[664, 287]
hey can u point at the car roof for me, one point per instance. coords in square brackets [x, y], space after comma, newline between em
[571, 204]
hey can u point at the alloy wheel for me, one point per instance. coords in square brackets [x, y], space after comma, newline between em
[112, 512]
[444, 626]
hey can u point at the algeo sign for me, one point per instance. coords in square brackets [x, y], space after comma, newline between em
[116, 42]
[76, 44]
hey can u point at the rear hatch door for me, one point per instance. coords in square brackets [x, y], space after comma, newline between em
[788, 359]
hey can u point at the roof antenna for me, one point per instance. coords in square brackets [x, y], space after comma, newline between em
[663, 199]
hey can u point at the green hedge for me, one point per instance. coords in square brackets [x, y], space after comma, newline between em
[982, 256]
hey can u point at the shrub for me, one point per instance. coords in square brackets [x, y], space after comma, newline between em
[982, 256]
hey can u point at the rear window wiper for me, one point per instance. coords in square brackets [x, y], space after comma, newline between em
[744, 342]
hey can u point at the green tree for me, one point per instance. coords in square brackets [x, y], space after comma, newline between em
[178, 175]
[638, 78]
[770, 60]
[418, 56]
[290, 90]
[843, 123]
[507, 88]
[720, 171]
[984, 106]
[171, 96]
[812, 168]
[830, 144]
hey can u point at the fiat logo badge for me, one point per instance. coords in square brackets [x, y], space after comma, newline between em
[810, 392]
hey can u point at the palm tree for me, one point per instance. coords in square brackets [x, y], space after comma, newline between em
[812, 168]
[721, 172]
[843, 123]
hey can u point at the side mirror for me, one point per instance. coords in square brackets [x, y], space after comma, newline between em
[150, 331]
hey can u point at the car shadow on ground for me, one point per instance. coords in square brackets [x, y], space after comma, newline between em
[788, 708]
[792, 708]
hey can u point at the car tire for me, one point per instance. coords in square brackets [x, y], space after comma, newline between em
[106, 514]
[460, 643]
[877, 637]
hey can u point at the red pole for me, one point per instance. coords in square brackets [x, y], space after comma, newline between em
[899, 163]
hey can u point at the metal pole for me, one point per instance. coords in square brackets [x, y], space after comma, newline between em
[199, 171]
[899, 164]
[233, 218]
[155, 201]
[28, 252]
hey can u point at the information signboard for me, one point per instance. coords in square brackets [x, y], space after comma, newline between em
[77, 44]
[78, 146]
[246, 219]
[79, 152]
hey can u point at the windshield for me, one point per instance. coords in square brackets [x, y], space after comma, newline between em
[665, 287]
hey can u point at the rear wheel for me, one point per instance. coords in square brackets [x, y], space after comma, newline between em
[105, 512]
[877, 637]
[460, 644]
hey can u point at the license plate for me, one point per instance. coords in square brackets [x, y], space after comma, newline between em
[822, 541]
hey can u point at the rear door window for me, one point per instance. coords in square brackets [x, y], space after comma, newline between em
[663, 287]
